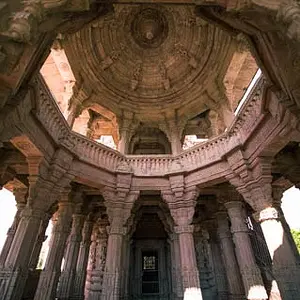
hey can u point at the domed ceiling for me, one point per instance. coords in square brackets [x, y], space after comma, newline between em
[151, 60]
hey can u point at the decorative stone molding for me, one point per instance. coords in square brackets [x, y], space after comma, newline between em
[123, 167]
[96, 154]
[184, 229]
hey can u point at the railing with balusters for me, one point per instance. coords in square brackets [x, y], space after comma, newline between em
[198, 156]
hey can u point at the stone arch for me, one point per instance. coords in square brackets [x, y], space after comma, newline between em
[149, 140]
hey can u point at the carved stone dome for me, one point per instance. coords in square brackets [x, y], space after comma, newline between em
[149, 28]
[149, 59]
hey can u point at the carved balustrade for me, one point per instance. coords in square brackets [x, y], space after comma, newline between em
[197, 157]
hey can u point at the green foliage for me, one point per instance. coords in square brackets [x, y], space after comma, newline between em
[296, 236]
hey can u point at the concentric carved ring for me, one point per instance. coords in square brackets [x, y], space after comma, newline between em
[149, 28]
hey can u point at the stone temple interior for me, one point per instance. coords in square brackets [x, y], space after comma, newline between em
[157, 137]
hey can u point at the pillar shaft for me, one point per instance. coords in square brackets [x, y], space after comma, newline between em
[90, 263]
[189, 270]
[11, 233]
[15, 271]
[176, 267]
[97, 273]
[251, 276]
[81, 267]
[34, 259]
[285, 262]
[235, 284]
[66, 281]
[112, 275]
[219, 270]
[47, 285]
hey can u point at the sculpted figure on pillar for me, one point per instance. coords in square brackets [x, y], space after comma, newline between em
[98, 265]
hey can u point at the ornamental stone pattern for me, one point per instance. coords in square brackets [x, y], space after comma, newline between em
[149, 220]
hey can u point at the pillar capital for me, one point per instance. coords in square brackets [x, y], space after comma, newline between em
[119, 205]
[20, 195]
[236, 212]
[269, 213]
[181, 204]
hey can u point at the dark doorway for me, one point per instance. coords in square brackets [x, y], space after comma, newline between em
[150, 279]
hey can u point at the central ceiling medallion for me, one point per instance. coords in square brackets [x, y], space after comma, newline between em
[149, 28]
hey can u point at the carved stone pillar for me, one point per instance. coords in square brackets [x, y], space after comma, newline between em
[112, 275]
[15, 272]
[13, 276]
[235, 284]
[176, 267]
[91, 262]
[66, 281]
[47, 285]
[189, 270]
[20, 196]
[34, 259]
[285, 262]
[182, 203]
[218, 266]
[205, 258]
[81, 268]
[251, 276]
[119, 203]
[97, 273]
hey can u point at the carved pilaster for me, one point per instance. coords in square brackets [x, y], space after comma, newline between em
[253, 284]
[50, 275]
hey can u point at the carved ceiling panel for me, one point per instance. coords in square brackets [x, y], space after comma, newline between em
[152, 60]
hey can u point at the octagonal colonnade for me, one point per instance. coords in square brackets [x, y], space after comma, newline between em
[178, 224]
